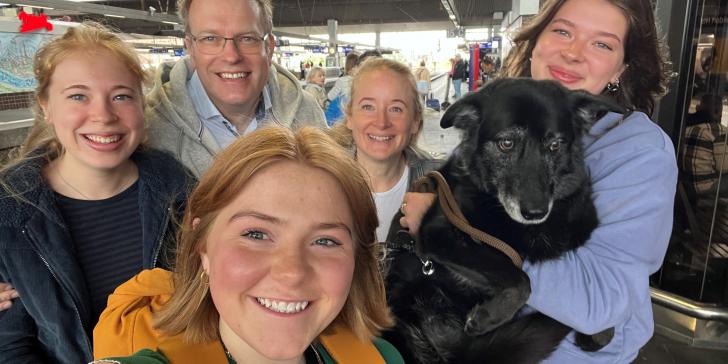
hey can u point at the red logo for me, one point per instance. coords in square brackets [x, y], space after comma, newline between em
[33, 22]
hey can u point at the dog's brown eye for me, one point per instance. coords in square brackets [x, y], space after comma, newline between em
[505, 144]
[555, 146]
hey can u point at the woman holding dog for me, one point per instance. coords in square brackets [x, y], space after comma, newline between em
[383, 121]
[610, 48]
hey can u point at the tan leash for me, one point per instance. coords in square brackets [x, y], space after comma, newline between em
[455, 215]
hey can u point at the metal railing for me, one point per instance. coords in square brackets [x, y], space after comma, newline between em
[705, 311]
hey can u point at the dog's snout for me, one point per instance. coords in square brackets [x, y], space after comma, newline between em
[534, 214]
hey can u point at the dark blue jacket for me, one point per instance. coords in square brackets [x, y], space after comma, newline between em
[51, 321]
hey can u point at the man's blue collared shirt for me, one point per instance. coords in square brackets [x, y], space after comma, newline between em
[223, 130]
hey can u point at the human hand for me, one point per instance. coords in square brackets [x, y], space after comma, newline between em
[7, 293]
[414, 207]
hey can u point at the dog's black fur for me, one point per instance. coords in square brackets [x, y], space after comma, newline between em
[519, 175]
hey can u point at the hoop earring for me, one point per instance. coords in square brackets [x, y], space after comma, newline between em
[612, 87]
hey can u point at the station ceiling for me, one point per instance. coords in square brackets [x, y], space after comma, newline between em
[469, 13]
[294, 16]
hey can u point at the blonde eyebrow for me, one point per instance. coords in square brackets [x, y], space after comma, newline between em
[372, 99]
[84, 87]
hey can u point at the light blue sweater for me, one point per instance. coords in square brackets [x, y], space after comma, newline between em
[605, 282]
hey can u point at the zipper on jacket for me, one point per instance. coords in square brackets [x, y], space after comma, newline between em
[48, 266]
[158, 249]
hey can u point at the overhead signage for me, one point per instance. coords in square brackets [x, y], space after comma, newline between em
[314, 48]
[456, 32]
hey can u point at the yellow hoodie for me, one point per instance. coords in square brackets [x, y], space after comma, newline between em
[126, 327]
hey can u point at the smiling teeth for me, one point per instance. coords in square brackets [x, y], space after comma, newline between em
[232, 75]
[103, 140]
[380, 138]
[282, 307]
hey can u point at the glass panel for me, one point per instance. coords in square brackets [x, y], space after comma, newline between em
[696, 262]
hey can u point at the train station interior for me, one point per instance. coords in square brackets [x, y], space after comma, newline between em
[690, 291]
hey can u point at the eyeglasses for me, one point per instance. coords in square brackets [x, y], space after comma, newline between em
[213, 44]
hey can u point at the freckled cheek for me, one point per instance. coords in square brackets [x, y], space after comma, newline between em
[546, 48]
[235, 270]
[402, 123]
[66, 118]
[131, 112]
[338, 275]
[136, 121]
[65, 110]
[357, 129]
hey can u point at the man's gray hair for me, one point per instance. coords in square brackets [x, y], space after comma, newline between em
[264, 8]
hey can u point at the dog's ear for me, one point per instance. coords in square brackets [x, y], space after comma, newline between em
[465, 112]
[589, 108]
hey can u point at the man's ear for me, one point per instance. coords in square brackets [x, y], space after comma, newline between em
[188, 51]
[271, 46]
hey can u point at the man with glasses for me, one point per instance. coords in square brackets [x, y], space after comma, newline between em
[227, 87]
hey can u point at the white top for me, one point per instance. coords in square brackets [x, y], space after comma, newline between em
[388, 203]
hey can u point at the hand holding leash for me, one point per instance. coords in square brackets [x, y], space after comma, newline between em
[414, 207]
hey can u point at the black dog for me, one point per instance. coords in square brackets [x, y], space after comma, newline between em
[519, 175]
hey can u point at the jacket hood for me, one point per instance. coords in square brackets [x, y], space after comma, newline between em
[286, 86]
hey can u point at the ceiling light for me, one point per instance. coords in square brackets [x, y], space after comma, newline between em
[452, 16]
[170, 22]
[114, 16]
